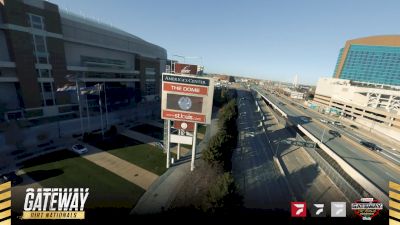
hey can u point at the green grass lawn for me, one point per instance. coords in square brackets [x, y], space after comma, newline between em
[66, 169]
[146, 156]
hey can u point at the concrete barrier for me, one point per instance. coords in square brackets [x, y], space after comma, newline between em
[357, 176]
[273, 105]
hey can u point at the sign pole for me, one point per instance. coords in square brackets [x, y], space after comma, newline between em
[179, 146]
[168, 140]
[193, 147]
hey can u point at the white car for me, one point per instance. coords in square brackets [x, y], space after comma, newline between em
[323, 120]
[80, 149]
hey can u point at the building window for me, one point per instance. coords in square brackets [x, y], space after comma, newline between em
[36, 21]
[40, 49]
[47, 94]
[47, 87]
[150, 72]
[150, 88]
[137, 63]
[43, 72]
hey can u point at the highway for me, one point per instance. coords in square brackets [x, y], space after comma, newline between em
[259, 178]
[253, 168]
[377, 169]
[356, 135]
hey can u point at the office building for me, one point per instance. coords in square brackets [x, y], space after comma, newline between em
[374, 60]
[44, 48]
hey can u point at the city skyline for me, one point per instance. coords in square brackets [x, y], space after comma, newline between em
[265, 40]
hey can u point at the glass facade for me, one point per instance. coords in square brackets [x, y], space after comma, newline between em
[338, 60]
[372, 64]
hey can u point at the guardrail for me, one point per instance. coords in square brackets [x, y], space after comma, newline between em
[273, 105]
[357, 176]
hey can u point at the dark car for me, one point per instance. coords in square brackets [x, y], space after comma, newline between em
[371, 145]
[335, 133]
[14, 178]
[354, 126]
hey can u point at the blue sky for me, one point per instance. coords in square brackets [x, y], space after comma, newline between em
[267, 39]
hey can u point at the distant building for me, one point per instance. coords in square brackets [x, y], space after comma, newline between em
[374, 60]
[40, 45]
[375, 106]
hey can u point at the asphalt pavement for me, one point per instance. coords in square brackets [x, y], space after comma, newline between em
[257, 176]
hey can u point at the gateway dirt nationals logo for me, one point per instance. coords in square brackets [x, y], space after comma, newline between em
[367, 208]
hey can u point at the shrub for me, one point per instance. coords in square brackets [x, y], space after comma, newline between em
[222, 197]
[112, 131]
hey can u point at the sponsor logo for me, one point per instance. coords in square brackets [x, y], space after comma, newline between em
[298, 209]
[394, 203]
[367, 208]
[186, 70]
[55, 203]
[5, 203]
[338, 209]
[318, 210]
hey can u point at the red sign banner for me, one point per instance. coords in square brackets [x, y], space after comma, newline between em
[185, 68]
[189, 126]
[190, 117]
[186, 89]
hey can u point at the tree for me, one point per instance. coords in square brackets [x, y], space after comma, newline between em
[222, 196]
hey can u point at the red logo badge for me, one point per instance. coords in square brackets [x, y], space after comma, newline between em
[298, 209]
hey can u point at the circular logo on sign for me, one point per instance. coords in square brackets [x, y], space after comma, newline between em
[185, 103]
[184, 125]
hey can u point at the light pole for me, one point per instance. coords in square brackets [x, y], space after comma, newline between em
[322, 137]
[277, 148]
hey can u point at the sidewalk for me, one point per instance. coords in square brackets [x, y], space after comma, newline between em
[163, 191]
[120, 167]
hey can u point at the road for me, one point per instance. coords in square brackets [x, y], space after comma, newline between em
[257, 177]
[388, 146]
[308, 181]
[376, 168]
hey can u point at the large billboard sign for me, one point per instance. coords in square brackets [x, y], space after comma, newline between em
[187, 98]
[185, 68]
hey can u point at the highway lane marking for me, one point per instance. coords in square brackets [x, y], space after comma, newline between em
[390, 157]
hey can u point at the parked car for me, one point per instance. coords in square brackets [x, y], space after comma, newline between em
[14, 178]
[160, 144]
[371, 145]
[80, 149]
[335, 133]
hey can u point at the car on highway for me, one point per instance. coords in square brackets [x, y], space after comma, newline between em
[354, 126]
[334, 133]
[371, 145]
[14, 178]
[324, 121]
[305, 119]
[79, 149]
